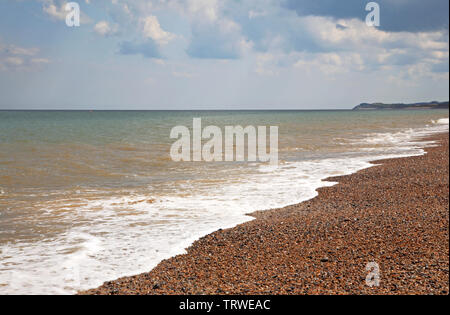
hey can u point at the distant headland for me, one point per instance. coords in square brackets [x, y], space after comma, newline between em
[382, 106]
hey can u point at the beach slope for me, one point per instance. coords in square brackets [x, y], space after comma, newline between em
[395, 214]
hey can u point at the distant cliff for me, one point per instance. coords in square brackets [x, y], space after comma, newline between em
[381, 106]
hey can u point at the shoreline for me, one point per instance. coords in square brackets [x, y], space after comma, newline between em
[322, 246]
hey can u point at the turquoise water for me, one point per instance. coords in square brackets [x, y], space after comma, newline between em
[87, 197]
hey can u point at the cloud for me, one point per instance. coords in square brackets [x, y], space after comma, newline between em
[58, 13]
[396, 16]
[376, 48]
[329, 35]
[330, 63]
[262, 28]
[152, 29]
[212, 34]
[205, 10]
[103, 28]
[15, 50]
[15, 58]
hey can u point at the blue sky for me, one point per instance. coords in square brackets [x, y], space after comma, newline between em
[221, 54]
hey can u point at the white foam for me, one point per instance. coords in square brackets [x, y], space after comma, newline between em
[125, 235]
[442, 121]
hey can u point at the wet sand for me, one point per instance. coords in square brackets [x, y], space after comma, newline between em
[395, 214]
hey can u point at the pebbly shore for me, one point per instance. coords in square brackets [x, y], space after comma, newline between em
[395, 214]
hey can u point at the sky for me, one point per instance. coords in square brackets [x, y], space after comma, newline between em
[222, 54]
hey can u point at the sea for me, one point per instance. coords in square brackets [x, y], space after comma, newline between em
[92, 196]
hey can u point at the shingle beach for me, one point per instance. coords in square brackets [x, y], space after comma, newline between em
[395, 214]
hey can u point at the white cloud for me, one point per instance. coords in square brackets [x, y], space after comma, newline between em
[204, 9]
[15, 50]
[356, 35]
[13, 57]
[55, 12]
[104, 28]
[330, 63]
[152, 29]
